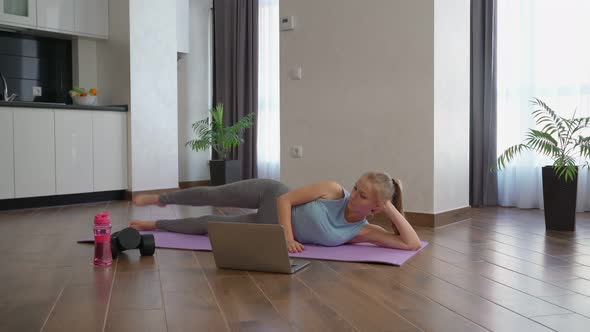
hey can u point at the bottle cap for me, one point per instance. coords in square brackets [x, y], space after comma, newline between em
[102, 219]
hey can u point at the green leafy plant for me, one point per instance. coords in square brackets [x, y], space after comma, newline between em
[212, 132]
[558, 139]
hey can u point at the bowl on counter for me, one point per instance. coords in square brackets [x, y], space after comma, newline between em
[84, 101]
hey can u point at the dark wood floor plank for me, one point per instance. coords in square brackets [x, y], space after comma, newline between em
[529, 255]
[175, 260]
[577, 270]
[187, 310]
[86, 294]
[419, 310]
[458, 241]
[137, 290]
[490, 247]
[188, 300]
[80, 308]
[243, 304]
[524, 267]
[510, 298]
[521, 252]
[578, 259]
[580, 285]
[136, 301]
[520, 237]
[516, 280]
[577, 303]
[131, 261]
[449, 255]
[475, 308]
[341, 295]
[23, 317]
[27, 295]
[119, 214]
[569, 323]
[137, 320]
[300, 306]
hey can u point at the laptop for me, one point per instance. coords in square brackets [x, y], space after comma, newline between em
[253, 247]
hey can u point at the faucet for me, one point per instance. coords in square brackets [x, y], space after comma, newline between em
[5, 96]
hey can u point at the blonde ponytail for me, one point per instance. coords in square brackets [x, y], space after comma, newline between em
[397, 198]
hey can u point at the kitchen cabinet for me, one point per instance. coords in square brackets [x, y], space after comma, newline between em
[21, 13]
[73, 152]
[92, 18]
[34, 153]
[182, 26]
[47, 152]
[109, 132]
[56, 15]
[6, 154]
[88, 18]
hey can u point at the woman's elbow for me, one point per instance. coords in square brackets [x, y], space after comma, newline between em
[281, 199]
[283, 202]
[415, 245]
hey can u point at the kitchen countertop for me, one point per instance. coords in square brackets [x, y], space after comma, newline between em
[115, 108]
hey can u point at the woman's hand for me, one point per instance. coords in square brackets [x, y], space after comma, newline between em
[403, 227]
[294, 246]
[389, 208]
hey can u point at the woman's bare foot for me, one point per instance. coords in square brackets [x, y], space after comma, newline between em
[143, 225]
[147, 199]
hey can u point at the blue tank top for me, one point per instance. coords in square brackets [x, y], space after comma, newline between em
[322, 222]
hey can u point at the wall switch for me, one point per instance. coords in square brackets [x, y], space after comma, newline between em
[297, 151]
[296, 73]
[287, 23]
[37, 91]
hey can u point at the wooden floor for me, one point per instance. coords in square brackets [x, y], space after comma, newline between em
[499, 271]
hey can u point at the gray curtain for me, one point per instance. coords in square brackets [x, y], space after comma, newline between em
[483, 183]
[235, 71]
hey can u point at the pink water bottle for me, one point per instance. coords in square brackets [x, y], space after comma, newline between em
[102, 240]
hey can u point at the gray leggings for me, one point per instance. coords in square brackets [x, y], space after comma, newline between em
[258, 194]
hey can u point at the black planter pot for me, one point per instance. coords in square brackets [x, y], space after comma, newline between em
[559, 200]
[224, 171]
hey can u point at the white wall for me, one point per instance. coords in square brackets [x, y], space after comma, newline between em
[366, 98]
[85, 68]
[153, 77]
[194, 92]
[451, 104]
[112, 58]
[136, 66]
[112, 67]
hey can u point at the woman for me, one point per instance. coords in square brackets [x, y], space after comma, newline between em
[323, 213]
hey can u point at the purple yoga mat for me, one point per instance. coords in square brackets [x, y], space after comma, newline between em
[360, 252]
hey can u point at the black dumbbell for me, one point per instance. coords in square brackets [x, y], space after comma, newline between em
[130, 238]
[147, 247]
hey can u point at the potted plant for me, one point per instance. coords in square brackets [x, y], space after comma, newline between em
[561, 140]
[212, 133]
